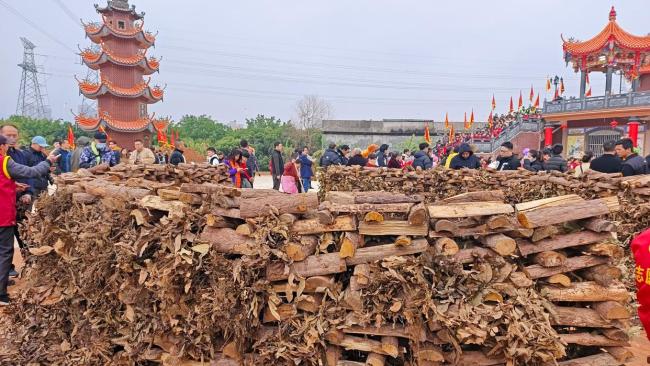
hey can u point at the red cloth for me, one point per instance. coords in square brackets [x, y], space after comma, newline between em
[640, 247]
[7, 195]
[290, 170]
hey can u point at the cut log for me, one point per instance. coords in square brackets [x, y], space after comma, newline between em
[499, 221]
[356, 343]
[141, 216]
[445, 225]
[244, 229]
[520, 280]
[586, 291]
[210, 188]
[169, 194]
[332, 355]
[571, 264]
[316, 284]
[217, 221]
[616, 334]
[225, 240]
[371, 197]
[252, 204]
[403, 240]
[413, 333]
[350, 241]
[611, 310]
[310, 303]
[468, 255]
[373, 216]
[102, 188]
[559, 279]
[470, 209]
[568, 199]
[361, 275]
[500, 243]
[299, 251]
[552, 215]
[621, 354]
[598, 225]
[287, 218]
[526, 247]
[588, 339]
[84, 198]
[375, 359]
[476, 358]
[190, 198]
[612, 203]
[611, 250]
[393, 227]
[282, 312]
[352, 299]
[549, 259]
[371, 254]
[603, 274]
[226, 212]
[314, 265]
[312, 226]
[357, 208]
[325, 217]
[578, 317]
[543, 233]
[390, 345]
[429, 353]
[418, 215]
[173, 208]
[601, 359]
[479, 196]
[445, 246]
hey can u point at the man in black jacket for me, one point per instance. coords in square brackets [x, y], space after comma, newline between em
[421, 159]
[608, 162]
[330, 156]
[357, 159]
[277, 164]
[177, 156]
[344, 154]
[556, 161]
[34, 155]
[465, 158]
[632, 164]
[382, 155]
[507, 159]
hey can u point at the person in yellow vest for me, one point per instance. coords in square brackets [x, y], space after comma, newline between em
[454, 152]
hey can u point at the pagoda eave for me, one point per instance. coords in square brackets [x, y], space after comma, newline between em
[96, 34]
[88, 123]
[145, 64]
[149, 95]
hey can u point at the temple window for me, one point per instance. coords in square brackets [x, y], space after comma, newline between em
[121, 24]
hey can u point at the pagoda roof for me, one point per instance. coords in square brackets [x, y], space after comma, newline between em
[611, 33]
[93, 90]
[92, 123]
[97, 31]
[93, 59]
[121, 6]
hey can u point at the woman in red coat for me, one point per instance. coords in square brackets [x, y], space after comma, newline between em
[641, 250]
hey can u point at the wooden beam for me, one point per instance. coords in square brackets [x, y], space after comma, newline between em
[469, 209]
[371, 254]
[312, 226]
[601, 359]
[393, 227]
[588, 339]
[552, 215]
[358, 208]
[572, 264]
[527, 247]
[585, 291]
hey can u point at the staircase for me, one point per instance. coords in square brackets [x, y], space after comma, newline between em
[522, 134]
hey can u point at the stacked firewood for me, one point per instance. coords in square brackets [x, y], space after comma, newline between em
[146, 268]
[519, 186]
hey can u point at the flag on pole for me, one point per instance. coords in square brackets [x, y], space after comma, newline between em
[471, 118]
[71, 136]
[536, 104]
[532, 94]
[427, 136]
[548, 84]
[561, 86]
[520, 105]
[465, 121]
[588, 86]
[447, 120]
[108, 137]
[451, 134]
[490, 120]
[494, 102]
[557, 94]
[512, 108]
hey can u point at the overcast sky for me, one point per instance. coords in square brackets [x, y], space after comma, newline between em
[369, 58]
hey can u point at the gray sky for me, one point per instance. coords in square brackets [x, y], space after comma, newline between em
[369, 58]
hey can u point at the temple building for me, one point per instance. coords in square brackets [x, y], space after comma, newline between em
[584, 122]
[122, 93]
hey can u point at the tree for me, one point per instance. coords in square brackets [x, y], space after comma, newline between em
[311, 110]
[201, 128]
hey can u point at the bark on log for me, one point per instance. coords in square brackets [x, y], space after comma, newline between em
[526, 247]
[445, 246]
[427, 352]
[372, 197]
[210, 188]
[173, 208]
[549, 259]
[479, 196]
[468, 255]
[225, 240]
[572, 264]
[621, 354]
[568, 199]
[418, 215]
[84, 198]
[414, 333]
[578, 317]
[169, 194]
[459, 210]
[588, 339]
[312, 226]
[332, 355]
[611, 310]
[314, 265]
[375, 359]
[601, 359]
[598, 225]
[616, 334]
[299, 251]
[217, 221]
[316, 284]
[559, 279]
[586, 291]
[606, 249]
[603, 274]
[393, 227]
[325, 217]
[358, 208]
[543, 233]
[284, 312]
[226, 212]
[356, 343]
[500, 243]
[446, 226]
[562, 213]
[254, 206]
[104, 189]
[350, 241]
[371, 254]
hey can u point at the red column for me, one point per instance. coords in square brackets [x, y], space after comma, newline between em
[633, 131]
[548, 135]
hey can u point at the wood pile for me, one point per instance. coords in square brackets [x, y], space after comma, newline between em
[516, 186]
[195, 273]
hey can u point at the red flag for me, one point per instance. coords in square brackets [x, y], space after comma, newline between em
[494, 102]
[490, 120]
[108, 137]
[557, 94]
[532, 94]
[451, 134]
[427, 136]
[512, 108]
[548, 85]
[447, 120]
[536, 105]
[561, 86]
[465, 121]
[588, 91]
[70, 136]
[521, 102]
[471, 118]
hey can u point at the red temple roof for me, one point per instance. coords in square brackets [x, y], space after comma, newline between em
[121, 6]
[93, 59]
[93, 90]
[611, 32]
[92, 123]
[97, 31]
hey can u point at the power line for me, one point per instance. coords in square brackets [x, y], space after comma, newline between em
[68, 12]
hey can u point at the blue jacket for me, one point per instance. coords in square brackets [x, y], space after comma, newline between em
[19, 157]
[422, 160]
[305, 166]
[33, 158]
[330, 157]
[64, 165]
[458, 162]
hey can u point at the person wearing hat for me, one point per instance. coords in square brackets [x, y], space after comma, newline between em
[9, 172]
[97, 153]
[35, 155]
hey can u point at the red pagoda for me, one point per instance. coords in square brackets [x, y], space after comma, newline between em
[121, 92]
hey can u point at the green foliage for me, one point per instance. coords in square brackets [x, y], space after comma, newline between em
[50, 129]
[411, 143]
[201, 128]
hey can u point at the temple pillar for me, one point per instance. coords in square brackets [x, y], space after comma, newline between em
[548, 135]
[633, 130]
[583, 83]
[608, 80]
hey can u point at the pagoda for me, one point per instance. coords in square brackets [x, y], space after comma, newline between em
[590, 119]
[122, 93]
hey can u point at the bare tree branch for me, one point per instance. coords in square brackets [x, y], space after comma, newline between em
[311, 110]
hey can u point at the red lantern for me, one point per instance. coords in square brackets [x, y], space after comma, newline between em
[613, 123]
